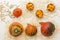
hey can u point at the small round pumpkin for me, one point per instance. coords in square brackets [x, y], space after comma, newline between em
[47, 28]
[31, 30]
[30, 6]
[15, 29]
[17, 12]
[39, 13]
[50, 7]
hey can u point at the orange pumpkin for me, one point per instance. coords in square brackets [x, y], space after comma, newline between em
[30, 30]
[15, 29]
[17, 12]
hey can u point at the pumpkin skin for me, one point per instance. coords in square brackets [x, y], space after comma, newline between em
[31, 30]
[47, 28]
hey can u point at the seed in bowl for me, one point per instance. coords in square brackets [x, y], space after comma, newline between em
[17, 12]
[39, 13]
[15, 29]
[31, 30]
[30, 6]
[47, 28]
[50, 7]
